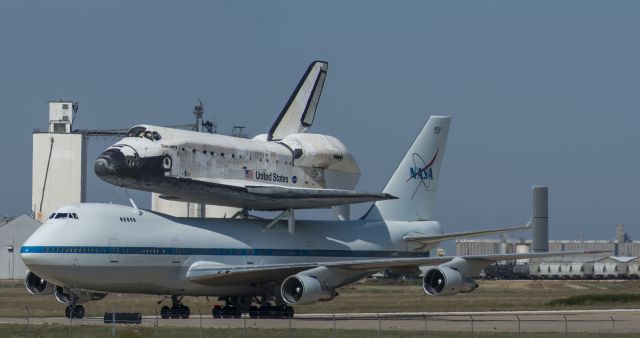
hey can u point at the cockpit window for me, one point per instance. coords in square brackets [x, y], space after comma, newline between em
[64, 215]
[143, 132]
[136, 131]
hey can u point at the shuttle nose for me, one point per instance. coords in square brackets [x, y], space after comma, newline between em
[110, 163]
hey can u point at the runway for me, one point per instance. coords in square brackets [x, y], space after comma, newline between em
[615, 320]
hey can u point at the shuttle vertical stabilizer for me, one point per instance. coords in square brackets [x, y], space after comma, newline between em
[297, 115]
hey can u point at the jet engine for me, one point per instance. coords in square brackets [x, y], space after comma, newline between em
[302, 289]
[65, 295]
[444, 281]
[36, 285]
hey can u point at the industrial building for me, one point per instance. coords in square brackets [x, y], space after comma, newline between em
[13, 232]
[619, 258]
[622, 246]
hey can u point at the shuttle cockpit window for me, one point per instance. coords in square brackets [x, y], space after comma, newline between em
[152, 135]
[143, 132]
[136, 132]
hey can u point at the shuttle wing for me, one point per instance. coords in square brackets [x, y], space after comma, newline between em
[215, 274]
[261, 196]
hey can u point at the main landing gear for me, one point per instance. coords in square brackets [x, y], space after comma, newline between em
[74, 311]
[177, 309]
[234, 308]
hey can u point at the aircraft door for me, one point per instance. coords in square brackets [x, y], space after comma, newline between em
[113, 250]
[250, 258]
[175, 247]
[312, 253]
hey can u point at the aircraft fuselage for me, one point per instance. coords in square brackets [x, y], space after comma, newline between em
[112, 248]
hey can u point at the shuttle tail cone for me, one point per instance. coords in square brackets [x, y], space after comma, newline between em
[416, 178]
[540, 219]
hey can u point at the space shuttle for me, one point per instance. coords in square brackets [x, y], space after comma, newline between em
[282, 170]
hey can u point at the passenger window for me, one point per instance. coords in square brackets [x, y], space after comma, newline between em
[156, 136]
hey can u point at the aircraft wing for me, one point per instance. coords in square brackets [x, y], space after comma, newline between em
[426, 239]
[261, 196]
[215, 274]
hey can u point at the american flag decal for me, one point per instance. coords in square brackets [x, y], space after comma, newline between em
[248, 173]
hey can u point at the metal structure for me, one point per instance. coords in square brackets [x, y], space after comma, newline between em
[540, 219]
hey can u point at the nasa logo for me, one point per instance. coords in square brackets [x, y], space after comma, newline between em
[294, 179]
[421, 171]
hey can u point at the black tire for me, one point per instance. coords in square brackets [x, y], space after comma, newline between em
[216, 312]
[175, 312]
[67, 312]
[78, 312]
[165, 312]
[227, 311]
[185, 313]
[288, 312]
[263, 312]
[254, 312]
[236, 313]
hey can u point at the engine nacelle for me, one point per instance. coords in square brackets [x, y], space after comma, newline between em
[302, 289]
[65, 296]
[36, 285]
[444, 281]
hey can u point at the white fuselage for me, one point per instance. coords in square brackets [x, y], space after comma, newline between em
[113, 248]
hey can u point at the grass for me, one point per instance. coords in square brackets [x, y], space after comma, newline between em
[368, 296]
[51, 331]
[609, 299]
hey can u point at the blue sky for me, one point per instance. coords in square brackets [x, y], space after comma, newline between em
[541, 93]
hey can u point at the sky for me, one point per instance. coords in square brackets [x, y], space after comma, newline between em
[541, 93]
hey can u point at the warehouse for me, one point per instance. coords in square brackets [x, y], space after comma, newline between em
[13, 233]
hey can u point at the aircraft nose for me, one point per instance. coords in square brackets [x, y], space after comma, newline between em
[110, 163]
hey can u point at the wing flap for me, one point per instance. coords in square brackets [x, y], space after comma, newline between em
[427, 239]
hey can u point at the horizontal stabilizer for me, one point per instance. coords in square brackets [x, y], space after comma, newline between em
[455, 235]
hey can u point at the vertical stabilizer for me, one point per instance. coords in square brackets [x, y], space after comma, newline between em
[416, 179]
[297, 115]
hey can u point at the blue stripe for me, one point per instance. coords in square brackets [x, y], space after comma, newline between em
[216, 251]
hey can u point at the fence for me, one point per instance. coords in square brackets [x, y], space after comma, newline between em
[478, 324]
